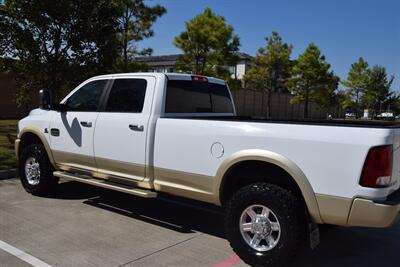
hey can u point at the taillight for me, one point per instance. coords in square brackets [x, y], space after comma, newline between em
[377, 170]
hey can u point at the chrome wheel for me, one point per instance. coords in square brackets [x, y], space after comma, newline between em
[32, 171]
[260, 227]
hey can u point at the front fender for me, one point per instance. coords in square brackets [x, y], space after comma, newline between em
[42, 138]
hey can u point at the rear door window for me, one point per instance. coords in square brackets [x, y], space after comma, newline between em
[127, 95]
[197, 97]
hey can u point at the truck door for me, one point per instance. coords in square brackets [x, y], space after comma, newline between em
[71, 132]
[121, 130]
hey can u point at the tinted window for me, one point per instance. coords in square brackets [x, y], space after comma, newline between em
[221, 99]
[87, 98]
[197, 97]
[127, 95]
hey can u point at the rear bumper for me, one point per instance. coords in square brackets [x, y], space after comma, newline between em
[369, 213]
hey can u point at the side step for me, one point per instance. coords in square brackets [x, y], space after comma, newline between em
[106, 184]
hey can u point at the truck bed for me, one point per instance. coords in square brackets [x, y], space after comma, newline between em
[326, 122]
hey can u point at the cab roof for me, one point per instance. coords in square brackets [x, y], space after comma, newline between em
[170, 76]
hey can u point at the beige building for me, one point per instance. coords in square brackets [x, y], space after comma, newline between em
[167, 63]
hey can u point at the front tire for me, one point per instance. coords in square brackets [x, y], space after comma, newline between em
[35, 170]
[263, 223]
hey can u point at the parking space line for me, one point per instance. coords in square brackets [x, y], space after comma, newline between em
[22, 255]
[230, 261]
[160, 250]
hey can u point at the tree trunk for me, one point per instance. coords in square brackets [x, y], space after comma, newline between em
[327, 113]
[306, 100]
[357, 113]
[203, 66]
[197, 63]
[125, 42]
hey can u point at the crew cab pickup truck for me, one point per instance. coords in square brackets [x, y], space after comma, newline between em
[277, 180]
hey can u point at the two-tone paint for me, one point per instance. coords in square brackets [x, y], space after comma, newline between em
[190, 157]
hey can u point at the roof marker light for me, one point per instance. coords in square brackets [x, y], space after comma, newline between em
[199, 79]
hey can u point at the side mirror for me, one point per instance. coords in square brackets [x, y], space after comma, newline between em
[59, 107]
[44, 99]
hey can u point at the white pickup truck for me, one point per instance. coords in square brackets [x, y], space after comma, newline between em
[145, 133]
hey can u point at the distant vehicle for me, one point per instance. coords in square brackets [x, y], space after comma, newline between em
[150, 133]
[350, 115]
[386, 116]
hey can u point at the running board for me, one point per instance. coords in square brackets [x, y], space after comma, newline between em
[106, 184]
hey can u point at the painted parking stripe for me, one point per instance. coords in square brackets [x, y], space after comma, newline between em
[22, 255]
[228, 262]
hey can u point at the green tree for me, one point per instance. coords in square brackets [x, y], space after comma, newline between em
[328, 95]
[208, 45]
[312, 79]
[357, 83]
[378, 94]
[393, 103]
[135, 24]
[55, 44]
[270, 69]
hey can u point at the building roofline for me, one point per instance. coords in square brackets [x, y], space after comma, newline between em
[174, 57]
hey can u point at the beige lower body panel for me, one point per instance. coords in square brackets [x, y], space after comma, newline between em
[194, 186]
[16, 147]
[356, 212]
[121, 169]
[190, 185]
[144, 183]
[334, 210]
[370, 214]
[74, 160]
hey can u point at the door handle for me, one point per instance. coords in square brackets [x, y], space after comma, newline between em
[137, 128]
[86, 124]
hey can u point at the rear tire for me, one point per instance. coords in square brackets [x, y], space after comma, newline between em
[271, 235]
[36, 171]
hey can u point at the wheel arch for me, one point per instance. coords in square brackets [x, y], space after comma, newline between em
[294, 173]
[31, 136]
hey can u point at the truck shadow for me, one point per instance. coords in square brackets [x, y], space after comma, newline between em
[353, 246]
[182, 215]
[340, 246]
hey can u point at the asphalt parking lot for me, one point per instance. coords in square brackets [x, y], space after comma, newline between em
[81, 225]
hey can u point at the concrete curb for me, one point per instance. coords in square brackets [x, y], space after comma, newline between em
[7, 174]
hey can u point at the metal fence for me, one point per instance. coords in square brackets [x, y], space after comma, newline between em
[250, 102]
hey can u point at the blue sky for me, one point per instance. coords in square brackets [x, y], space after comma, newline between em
[343, 29]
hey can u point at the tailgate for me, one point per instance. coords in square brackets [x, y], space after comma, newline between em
[396, 160]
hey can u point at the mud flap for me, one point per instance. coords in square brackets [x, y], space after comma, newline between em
[313, 230]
